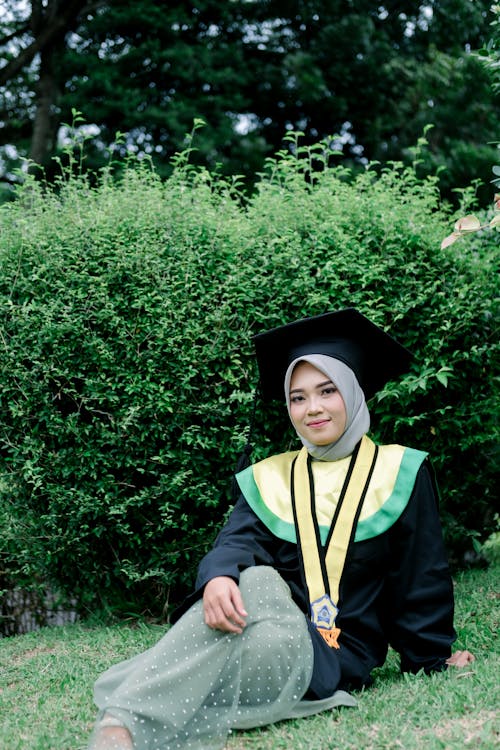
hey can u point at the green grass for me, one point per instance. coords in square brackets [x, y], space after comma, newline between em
[46, 682]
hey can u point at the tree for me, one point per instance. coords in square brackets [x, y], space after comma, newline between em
[35, 44]
[490, 54]
[373, 74]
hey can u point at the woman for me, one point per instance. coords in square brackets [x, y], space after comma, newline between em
[331, 554]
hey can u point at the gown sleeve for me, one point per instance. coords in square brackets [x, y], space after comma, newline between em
[243, 542]
[418, 591]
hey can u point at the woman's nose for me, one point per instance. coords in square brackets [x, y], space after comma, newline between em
[314, 405]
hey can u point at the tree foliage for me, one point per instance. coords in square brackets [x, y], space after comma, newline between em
[490, 53]
[373, 74]
[127, 370]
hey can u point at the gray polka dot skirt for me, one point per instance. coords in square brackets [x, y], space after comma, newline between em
[196, 684]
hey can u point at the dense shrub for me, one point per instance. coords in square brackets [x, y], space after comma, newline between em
[127, 374]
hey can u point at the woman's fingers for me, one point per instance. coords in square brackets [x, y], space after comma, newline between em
[461, 659]
[223, 605]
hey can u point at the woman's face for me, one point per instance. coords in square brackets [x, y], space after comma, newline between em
[317, 409]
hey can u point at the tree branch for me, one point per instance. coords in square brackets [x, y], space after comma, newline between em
[61, 23]
[21, 30]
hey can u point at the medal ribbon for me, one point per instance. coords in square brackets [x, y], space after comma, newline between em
[323, 566]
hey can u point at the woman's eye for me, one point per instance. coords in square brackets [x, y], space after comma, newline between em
[296, 399]
[328, 391]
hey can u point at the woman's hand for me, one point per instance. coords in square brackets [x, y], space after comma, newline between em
[223, 605]
[461, 659]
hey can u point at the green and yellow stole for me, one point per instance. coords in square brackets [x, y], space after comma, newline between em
[324, 506]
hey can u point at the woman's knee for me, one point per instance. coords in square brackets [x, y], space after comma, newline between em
[267, 597]
[264, 579]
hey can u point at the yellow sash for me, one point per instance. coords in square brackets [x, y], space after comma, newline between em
[323, 566]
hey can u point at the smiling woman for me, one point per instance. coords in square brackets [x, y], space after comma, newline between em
[337, 419]
[316, 407]
[331, 554]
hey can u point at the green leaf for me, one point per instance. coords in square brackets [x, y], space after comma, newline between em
[443, 375]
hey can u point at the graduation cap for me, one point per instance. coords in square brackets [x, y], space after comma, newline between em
[373, 355]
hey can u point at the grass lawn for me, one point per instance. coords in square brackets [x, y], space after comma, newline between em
[46, 682]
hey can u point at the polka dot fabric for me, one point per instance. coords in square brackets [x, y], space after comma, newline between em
[196, 684]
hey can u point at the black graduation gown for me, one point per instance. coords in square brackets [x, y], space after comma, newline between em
[396, 590]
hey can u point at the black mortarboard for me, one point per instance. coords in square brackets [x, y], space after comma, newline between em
[373, 355]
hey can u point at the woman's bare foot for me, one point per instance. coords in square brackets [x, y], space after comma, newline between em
[111, 735]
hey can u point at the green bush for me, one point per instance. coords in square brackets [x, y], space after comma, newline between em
[127, 371]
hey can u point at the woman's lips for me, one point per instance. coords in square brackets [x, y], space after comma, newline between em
[318, 423]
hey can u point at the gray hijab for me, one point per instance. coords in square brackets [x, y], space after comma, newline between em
[358, 416]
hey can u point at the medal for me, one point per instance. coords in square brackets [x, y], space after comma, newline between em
[323, 612]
